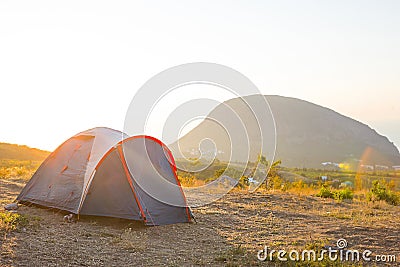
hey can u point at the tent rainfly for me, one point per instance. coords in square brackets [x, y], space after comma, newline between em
[89, 174]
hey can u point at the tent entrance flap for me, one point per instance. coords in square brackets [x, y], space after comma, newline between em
[109, 193]
[129, 179]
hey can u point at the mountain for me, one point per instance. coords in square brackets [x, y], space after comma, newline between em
[306, 134]
[21, 152]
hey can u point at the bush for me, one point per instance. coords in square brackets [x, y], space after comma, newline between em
[379, 191]
[243, 182]
[345, 193]
[275, 182]
[298, 184]
[17, 169]
[190, 181]
[10, 221]
[342, 194]
[5, 172]
[325, 192]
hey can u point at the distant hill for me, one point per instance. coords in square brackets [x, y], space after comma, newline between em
[21, 152]
[307, 134]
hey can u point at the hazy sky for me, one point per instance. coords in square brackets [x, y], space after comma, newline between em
[66, 66]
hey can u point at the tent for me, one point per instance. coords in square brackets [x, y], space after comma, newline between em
[103, 172]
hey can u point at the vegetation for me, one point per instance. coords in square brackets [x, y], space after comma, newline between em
[10, 221]
[342, 194]
[18, 152]
[338, 184]
[381, 191]
[233, 255]
[16, 168]
[189, 180]
[186, 171]
[19, 161]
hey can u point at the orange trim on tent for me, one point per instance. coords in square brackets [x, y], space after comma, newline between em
[64, 169]
[85, 192]
[128, 177]
[90, 179]
[173, 166]
[105, 156]
[171, 163]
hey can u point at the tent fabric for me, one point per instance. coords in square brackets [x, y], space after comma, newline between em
[108, 190]
[104, 172]
[105, 139]
[155, 180]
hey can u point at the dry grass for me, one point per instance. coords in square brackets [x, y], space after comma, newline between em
[10, 221]
[190, 181]
[16, 168]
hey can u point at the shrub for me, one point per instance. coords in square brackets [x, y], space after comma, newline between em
[275, 182]
[21, 172]
[190, 181]
[299, 184]
[243, 182]
[379, 191]
[342, 194]
[325, 192]
[345, 193]
[5, 172]
[17, 169]
[10, 221]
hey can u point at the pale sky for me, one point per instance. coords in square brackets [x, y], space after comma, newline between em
[66, 66]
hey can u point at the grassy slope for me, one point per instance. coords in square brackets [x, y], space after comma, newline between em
[21, 152]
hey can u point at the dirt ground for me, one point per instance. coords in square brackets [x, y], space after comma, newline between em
[228, 232]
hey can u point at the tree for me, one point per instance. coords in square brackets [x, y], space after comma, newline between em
[272, 174]
[273, 177]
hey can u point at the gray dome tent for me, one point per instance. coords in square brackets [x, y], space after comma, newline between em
[88, 174]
